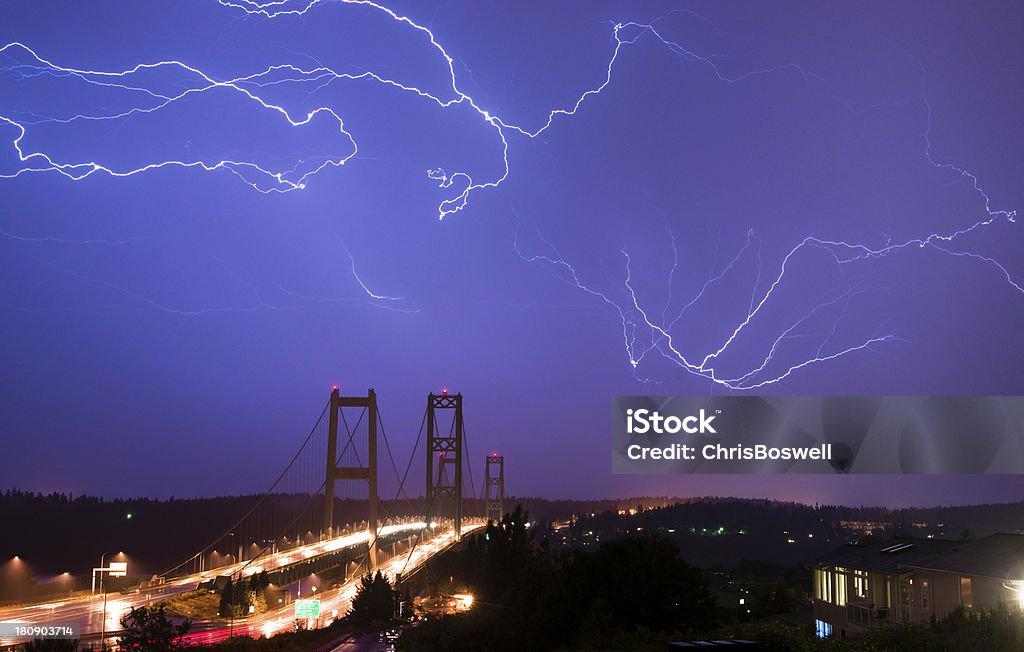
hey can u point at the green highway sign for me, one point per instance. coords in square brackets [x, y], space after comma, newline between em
[307, 608]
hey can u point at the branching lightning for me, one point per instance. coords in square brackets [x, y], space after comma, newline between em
[659, 333]
[285, 180]
[647, 329]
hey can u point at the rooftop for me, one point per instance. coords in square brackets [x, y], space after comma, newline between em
[999, 556]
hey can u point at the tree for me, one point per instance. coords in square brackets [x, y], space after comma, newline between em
[237, 597]
[629, 594]
[507, 545]
[644, 583]
[148, 629]
[229, 607]
[374, 600]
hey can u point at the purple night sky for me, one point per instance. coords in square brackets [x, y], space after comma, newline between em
[637, 198]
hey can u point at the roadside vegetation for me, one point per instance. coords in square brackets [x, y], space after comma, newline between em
[197, 605]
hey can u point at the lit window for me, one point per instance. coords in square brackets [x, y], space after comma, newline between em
[822, 629]
[966, 600]
[924, 594]
[823, 589]
[860, 583]
[841, 589]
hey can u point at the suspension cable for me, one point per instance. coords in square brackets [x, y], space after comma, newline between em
[259, 502]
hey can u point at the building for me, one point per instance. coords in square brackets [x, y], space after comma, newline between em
[909, 580]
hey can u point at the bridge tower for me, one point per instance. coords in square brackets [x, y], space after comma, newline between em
[368, 472]
[494, 487]
[444, 450]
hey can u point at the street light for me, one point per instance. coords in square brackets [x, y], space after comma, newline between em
[116, 569]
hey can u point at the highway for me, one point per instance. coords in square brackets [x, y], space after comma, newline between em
[88, 611]
[334, 603]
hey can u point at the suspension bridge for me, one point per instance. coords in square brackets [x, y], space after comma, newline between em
[323, 516]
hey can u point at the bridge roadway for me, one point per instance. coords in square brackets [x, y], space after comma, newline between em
[88, 611]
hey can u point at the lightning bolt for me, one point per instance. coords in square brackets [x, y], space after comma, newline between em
[658, 334]
[644, 331]
[266, 179]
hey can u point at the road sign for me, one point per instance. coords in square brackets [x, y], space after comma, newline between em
[118, 568]
[307, 608]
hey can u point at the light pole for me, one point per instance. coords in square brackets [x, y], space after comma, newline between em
[119, 569]
[231, 615]
[317, 622]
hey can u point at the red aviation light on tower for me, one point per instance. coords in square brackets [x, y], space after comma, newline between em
[494, 454]
[444, 391]
[334, 388]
